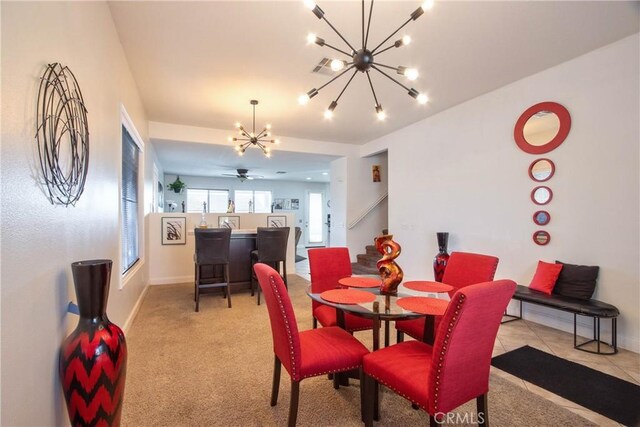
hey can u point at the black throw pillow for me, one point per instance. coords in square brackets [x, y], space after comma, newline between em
[576, 281]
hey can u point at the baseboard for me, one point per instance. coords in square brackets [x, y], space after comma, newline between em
[170, 280]
[134, 311]
[564, 321]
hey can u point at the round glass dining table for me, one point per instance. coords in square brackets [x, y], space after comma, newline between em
[370, 304]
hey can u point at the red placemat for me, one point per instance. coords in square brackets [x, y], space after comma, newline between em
[424, 305]
[360, 282]
[347, 296]
[427, 286]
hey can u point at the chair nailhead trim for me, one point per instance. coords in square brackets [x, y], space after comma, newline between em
[445, 343]
[272, 282]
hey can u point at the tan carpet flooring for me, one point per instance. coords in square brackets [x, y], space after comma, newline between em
[215, 367]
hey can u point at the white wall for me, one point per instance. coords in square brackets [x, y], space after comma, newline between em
[279, 190]
[40, 241]
[362, 193]
[460, 171]
[353, 192]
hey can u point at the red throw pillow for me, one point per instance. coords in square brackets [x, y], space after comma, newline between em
[545, 278]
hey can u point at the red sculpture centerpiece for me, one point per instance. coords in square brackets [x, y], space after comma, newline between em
[390, 272]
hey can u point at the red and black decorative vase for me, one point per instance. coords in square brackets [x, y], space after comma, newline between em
[442, 257]
[93, 359]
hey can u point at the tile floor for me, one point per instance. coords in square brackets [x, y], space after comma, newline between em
[624, 365]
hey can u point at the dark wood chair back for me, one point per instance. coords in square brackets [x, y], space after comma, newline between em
[212, 245]
[272, 244]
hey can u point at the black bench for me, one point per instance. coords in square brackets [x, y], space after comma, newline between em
[583, 307]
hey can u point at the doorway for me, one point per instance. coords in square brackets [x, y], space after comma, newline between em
[314, 224]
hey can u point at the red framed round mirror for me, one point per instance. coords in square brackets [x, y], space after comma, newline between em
[541, 218]
[541, 170]
[542, 128]
[541, 195]
[541, 237]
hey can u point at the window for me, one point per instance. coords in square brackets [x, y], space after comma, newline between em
[259, 201]
[130, 166]
[215, 200]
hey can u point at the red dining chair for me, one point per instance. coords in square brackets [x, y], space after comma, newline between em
[304, 354]
[455, 369]
[463, 269]
[328, 265]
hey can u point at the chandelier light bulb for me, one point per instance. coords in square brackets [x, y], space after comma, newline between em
[422, 99]
[252, 135]
[267, 150]
[241, 153]
[277, 141]
[380, 113]
[328, 114]
[267, 134]
[411, 73]
[337, 65]
[238, 147]
[238, 125]
[428, 4]
[309, 4]
[311, 38]
[406, 40]
[303, 99]
[267, 154]
[268, 127]
[230, 139]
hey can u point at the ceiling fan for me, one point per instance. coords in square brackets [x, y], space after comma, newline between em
[243, 174]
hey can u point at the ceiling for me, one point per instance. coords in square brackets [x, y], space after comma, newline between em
[196, 159]
[200, 63]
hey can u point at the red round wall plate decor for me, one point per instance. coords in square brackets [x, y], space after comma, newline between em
[565, 126]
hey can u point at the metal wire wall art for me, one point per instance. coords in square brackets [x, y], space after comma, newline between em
[62, 135]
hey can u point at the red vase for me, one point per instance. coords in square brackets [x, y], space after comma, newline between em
[441, 258]
[93, 358]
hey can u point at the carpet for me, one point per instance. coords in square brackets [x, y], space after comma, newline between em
[299, 258]
[602, 393]
[214, 368]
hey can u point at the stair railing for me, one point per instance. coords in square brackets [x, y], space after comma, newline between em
[368, 210]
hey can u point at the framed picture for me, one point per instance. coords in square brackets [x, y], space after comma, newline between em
[174, 230]
[232, 222]
[295, 204]
[375, 172]
[278, 204]
[276, 221]
[287, 205]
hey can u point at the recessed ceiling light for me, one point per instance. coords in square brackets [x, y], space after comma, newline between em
[325, 173]
[308, 178]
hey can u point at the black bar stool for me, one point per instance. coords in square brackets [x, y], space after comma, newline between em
[212, 249]
[271, 250]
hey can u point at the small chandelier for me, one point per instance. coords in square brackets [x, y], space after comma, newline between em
[363, 59]
[248, 139]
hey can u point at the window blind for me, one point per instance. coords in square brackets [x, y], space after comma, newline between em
[130, 162]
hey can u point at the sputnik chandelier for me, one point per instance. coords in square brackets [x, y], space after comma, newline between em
[248, 139]
[363, 59]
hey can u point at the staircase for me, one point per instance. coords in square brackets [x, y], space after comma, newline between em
[367, 262]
